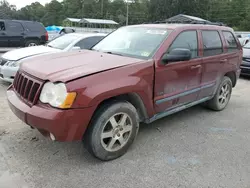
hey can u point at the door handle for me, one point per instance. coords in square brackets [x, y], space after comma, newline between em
[223, 61]
[196, 67]
[3, 33]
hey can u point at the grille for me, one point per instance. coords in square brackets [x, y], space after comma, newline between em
[247, 59]
[2, 61]
[27, 88]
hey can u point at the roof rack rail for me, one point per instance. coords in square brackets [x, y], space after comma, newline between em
[187, 22]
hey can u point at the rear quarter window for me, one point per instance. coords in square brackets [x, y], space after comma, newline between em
[231, 41]
[34, 27]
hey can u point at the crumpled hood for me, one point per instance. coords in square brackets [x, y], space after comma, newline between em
[67, 66]
[21, 53]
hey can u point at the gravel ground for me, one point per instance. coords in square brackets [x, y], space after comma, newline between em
[194, 148]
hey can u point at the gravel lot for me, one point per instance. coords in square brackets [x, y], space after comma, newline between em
[194, 148]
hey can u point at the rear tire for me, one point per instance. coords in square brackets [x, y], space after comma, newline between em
[112, 130]
[222, 97]
[30, 43]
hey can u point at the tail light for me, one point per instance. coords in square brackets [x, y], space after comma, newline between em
[46, 36]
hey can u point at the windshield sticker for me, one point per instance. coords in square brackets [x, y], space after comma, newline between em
[145, 54]
[156, 32]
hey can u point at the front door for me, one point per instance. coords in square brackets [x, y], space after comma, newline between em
[16, 33]
[178, 83]
[3, 35]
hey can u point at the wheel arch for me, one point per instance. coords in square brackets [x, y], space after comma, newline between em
[232, 76]
[132, 98]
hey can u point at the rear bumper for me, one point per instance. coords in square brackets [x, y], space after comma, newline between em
[65, 125]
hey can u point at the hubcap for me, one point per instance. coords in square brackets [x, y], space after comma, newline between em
[32, 44]
[224, 94]
[116, 132]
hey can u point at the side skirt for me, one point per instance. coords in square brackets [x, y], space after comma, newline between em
[177, 109]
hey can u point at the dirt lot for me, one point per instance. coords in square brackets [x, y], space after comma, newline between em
[194, 148]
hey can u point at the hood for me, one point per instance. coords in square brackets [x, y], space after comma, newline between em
[21, 53]
[67, 66]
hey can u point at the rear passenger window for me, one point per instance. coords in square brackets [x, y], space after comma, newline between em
[212, 44]
[15, 26]
[188, 40]
[34, 26]
[230, 40]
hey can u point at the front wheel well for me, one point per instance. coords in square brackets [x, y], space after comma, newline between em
[132, 98]
[232, 77]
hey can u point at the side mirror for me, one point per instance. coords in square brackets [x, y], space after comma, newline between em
[178, 54]
[76, 48]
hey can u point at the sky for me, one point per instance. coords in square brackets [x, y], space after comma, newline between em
[22, 3]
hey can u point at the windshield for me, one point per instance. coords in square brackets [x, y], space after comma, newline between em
[62, 42]
[140, 42]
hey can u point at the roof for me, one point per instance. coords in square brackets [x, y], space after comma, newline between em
[97, 21]
[185, 18]
[85, 35]
[176, 26]
[73, 20]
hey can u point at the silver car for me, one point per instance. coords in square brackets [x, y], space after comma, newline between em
[10, 61]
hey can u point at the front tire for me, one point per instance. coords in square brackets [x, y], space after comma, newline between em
[112, 130]
[222, 97]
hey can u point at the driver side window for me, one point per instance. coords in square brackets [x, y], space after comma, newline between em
[187, 40]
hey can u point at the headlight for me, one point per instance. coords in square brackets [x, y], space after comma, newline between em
[56, 95]
[12, 64]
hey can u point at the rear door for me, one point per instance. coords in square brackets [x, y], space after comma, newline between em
[233, 52]
[178, 83]
[15, 32]
[213, 60]
[3, 35]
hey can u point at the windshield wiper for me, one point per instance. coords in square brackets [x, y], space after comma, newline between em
[113, 53]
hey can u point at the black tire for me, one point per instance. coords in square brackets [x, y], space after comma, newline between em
[215, 103]
[31, 43]
[93, 140]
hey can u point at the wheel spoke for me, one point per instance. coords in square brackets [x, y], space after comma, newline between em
[113, 122]
[220, 97]
[107, 135]
[121, 140]
[223, 89]
[123, 120]
[111, 143]
[127, 128]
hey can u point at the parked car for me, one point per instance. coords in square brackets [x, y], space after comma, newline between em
[245, 65]
[55, 32]
[18, 33]
[244, 41]
[10, 61]
[136, 74]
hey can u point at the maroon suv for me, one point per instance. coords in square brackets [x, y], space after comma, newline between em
[136, 74]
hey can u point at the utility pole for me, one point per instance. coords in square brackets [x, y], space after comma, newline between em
[127, 12]
[102, 9]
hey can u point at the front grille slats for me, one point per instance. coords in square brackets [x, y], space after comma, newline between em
[27, 88]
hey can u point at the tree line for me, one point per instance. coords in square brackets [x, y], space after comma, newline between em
[234, 13]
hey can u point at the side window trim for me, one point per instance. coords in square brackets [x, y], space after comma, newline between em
[197, 37]
[221, 41]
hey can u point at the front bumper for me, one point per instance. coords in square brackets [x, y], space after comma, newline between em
[245, 70]
[8, 73]
[65, 125]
